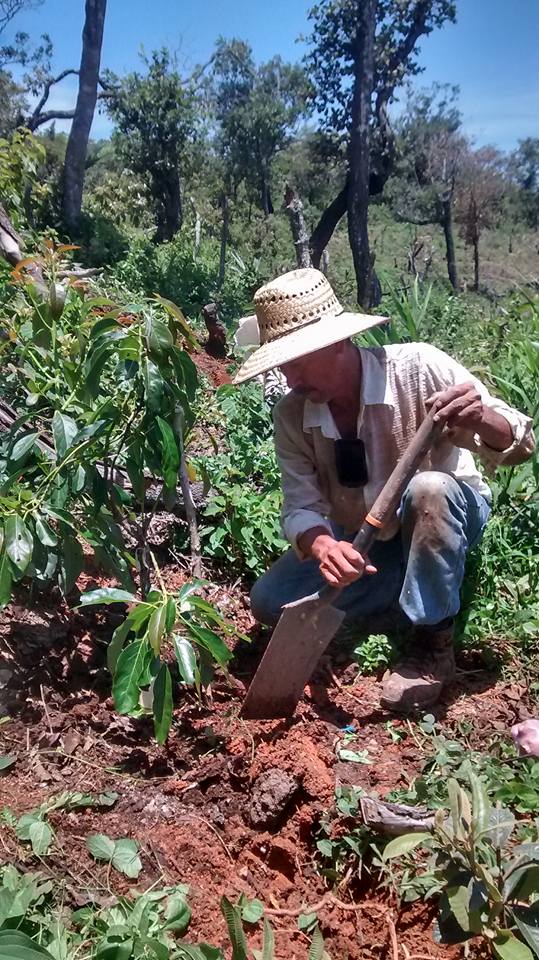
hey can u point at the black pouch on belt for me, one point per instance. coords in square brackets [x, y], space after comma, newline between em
[351, 462]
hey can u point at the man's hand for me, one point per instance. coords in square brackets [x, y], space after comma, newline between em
[339, 563]
[461, 406]
[458, 406]
[526, 737]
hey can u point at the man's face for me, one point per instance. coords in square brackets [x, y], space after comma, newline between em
[316, 376]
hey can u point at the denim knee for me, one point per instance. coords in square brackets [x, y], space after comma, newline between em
[264, 607]
[433, 488]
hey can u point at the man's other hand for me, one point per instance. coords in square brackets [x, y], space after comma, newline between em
[340, 564]
[526, 737]
[458, 406]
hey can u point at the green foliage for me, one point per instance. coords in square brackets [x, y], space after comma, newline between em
[34, 828]
[488, 885]
[92, 379]
[373, 653]
[20, 159]
[141, 675]
[242, 521]
[122, 854]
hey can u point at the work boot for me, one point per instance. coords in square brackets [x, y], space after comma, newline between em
[419, 678]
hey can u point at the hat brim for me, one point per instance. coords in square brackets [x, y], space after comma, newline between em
[305, 340]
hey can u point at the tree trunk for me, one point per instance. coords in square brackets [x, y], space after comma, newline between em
[168, 195]
[77, 144]
[325, 227]
[265, 193]
[476, 263]
[224, 240]
[294, 208]
[447, 224]
[359, 151]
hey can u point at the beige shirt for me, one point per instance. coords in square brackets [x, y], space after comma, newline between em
[395, 384]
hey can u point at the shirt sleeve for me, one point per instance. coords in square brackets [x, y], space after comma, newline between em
[304, 506]
[440, 371]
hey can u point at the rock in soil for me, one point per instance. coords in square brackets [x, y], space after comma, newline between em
[271, 794]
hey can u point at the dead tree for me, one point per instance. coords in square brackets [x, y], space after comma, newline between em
[294, 208]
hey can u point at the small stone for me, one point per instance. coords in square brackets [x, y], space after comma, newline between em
[271, 794]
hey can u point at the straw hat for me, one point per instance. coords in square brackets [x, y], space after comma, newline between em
[297, 314]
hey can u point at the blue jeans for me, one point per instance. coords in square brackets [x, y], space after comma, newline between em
[420, 569]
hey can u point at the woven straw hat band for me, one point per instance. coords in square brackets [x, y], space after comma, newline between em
[294, 300]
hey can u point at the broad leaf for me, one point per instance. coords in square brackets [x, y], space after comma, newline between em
[156, 628]
[126, 858]
[15, 945]
[252, 910]
[177, 913]
[6, 762]
[212, 642]
[400, 846]
[170, 457]
[458, 899]
[41, 837]
[162, 704]
[45, 534]
[72, 562]
[19, 542]
[5, 580]
[480, 805]
[507, 947]
[186, 657]
[501, 823]
[527, 920]
[107, 595]
[22, 447]
[64, 431]
[100, 846]
[130, 668]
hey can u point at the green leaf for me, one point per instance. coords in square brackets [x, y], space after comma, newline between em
[154, 386]
[19, 542]
[268, 942]
[354, 756]
[213, 643]
[507, 947]
[100, 846]
[162, 704]
[170, 457]
[131, 665]
[400, 846]
[22, 447]
[177, 913]
[72, 563]
[126, 858]
[527, 921]
[458, 899]
[158, 335]
[5, 580]
[15, 945]
[480, 805]
[174, 311]
[107, 595]
[41, 837]
[500, 825]
[6, 762]
[171, 614]
[307, 922]
[251, 910]
[317, 948]
[156, 628]
[235, 930]
[45, 534]
[186, 657]
[64, 431]
[24, 824]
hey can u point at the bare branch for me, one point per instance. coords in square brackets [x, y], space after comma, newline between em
[10, 9]
[47, 89]
[36, 122]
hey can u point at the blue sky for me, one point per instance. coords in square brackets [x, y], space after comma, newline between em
[492, 52]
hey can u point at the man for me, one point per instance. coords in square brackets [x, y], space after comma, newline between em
[350, 415]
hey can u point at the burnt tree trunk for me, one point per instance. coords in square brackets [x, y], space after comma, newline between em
[476, 263]
[224, 240]
[77, 144]
[168, 195]
[265, 193]
[294, 208]
[359, 151]
[447, 224]
[325, 227]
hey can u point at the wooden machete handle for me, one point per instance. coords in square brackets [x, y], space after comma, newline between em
[389, 497]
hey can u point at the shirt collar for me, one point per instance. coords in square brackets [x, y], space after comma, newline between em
[375, 389]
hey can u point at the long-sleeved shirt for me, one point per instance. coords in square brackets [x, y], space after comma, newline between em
[396, 382]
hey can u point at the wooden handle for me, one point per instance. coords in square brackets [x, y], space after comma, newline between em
[389, 497]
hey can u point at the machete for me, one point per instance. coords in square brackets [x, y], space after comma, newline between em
[306, 626]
